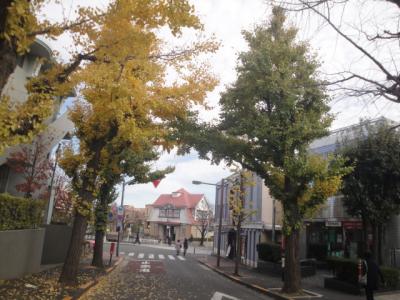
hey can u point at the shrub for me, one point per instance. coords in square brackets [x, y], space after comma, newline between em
[20, 213]
[344, 269]
[317, 251]
[391, 277]
[347, 270]
[269, 252]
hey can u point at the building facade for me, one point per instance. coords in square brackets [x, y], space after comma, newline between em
[331, 231]
[174, 216]
[260, 226]
[58, 126]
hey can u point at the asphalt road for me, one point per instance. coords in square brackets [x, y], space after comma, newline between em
[156, 273]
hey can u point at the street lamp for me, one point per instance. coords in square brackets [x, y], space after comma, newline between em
[124, 183]
[221, 203]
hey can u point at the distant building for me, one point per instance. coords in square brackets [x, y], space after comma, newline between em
[58, 126]
[174, 215]
[255, 229]
[134, 220]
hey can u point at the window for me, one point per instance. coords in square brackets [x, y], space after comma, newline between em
[169, 212]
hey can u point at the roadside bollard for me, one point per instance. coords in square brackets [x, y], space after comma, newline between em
[112, 248]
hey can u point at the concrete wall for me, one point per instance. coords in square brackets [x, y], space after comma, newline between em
[20, 252]
[56, 243]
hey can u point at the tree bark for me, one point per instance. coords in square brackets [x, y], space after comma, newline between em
[379, 253]
[364, 235]
[202, 233]
[97, 260]
[375, 244]
[8, 54]
[70, 269]
[292, 282]
[238, 248]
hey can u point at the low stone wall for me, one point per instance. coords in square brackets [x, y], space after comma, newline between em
[272, 268]
[20, 252]
[56, 243]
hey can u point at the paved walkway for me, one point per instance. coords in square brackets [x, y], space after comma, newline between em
[314, 284]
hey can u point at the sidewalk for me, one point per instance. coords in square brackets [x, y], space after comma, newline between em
[269, 284]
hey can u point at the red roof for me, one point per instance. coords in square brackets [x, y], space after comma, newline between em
[180, 198]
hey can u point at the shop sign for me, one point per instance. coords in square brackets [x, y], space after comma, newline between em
[352, 224]
[333, 223]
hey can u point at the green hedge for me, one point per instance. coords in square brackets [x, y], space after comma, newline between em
[347, 270]
[317, 251]
[392, 277]
[20, 213]
[269, 252]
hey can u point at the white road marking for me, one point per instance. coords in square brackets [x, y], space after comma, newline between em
[122, 253]
[181, 258]
[161, 256]
[141, 255]
[220, 296]
[131, 254]
[151, 256]
[171, 257]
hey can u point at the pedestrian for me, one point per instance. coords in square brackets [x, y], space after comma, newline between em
[185, 246]
[137, 240]
[371, 270]
[178, 247]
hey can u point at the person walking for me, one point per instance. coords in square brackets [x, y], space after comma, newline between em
[373, 273]
[185, 246]
[178, 247]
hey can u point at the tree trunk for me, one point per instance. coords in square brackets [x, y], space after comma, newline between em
[375, 241]
[70, 269]
[379, 253]
[292, 282]
[365, 236]
[202, 233]
[97, 260]
[8, 54]
[238, 248]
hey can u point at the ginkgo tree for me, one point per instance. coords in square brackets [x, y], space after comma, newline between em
[269, 117]
[126, 100]
[121, 162]
[238, 208]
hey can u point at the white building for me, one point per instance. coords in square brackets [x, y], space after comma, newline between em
[29, 65]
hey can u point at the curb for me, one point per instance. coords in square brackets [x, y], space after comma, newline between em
[255, 287]
[84, 288]
[249, 285]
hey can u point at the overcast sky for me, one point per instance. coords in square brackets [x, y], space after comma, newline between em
[226, 19]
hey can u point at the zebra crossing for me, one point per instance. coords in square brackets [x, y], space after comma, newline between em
[153, 256]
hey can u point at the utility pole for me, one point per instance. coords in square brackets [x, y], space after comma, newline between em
[122, 221]
[221, 203]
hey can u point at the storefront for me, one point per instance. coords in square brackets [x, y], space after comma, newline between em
[334, 238]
